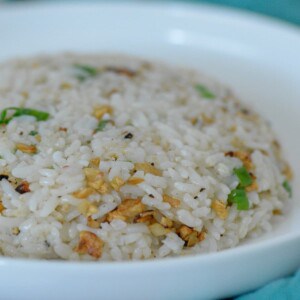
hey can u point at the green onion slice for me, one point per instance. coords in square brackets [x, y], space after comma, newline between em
[86, 71]
[33, 133]
[101, 125]
[204, 91]
[287, 187]
[243, 176]
[239, 197]
[18, 111]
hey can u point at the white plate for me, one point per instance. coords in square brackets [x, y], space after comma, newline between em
[259, 58]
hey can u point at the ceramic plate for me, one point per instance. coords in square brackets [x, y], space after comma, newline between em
[259, 58]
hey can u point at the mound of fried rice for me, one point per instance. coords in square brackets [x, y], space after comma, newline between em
[117, 158]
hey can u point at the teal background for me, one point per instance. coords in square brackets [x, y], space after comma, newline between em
[287, 10]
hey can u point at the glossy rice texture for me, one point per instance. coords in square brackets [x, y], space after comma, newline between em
[132, 160]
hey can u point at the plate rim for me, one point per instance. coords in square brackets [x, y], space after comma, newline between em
[239, 15]
[191, 7]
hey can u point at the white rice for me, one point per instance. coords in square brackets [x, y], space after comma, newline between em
[184, 134]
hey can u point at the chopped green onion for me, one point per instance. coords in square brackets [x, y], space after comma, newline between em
[3, 115]
[239, 197]
[86, 71]
[18, 111]
[204, 91]
[81, 77]
[243, 176]
[101, 125]
[287, 187]
[33, 133]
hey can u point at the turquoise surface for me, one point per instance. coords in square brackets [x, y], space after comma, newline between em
[288, 10]
[282, 289]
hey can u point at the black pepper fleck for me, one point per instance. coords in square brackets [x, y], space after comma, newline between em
[245, 111]
[128, 136]
[196, 197]
[2, 176]
[202, 190]
[229, 153]
[47, 244]
[151, 196]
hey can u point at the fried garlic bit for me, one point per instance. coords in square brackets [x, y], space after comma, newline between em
[122, 71]
[172, 201]
[101, 110]
[207, 120]
[95, 162]
[166, 222]
[65, 86]
[15, 230]
[163, 220]
[158, 230]
[93, 223]
[63, 208]
[87, 208]
[38, 138]
[190, 236]
[2, 207]
[158, 224]
[145, 217]
[194, 120]
[244, 156]
[147, 168]
[201, 236]
[116, 183]
[277, 212]
[129, 208]
[135, 180]
[151, 217]
[92, 174]
[220, 209]
[29, 149]
[95, 180]
[83, 193]
[252, 187]
[89, 243]
[25, 94]
[23, 187]
[288, 172]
